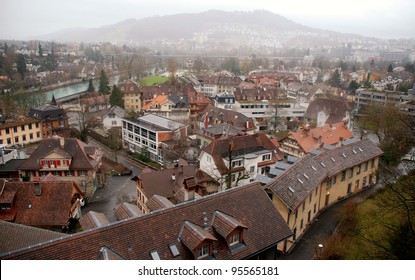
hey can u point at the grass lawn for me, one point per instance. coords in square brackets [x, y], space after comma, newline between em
[151, 80]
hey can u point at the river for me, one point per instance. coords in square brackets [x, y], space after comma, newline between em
[77, 88]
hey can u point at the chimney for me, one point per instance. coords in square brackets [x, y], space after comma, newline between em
[189, 188]
[38, 189]
[173, 177]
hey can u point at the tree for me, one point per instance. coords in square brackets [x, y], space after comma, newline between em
[51, 59]
[21, 65]
[172, 68]
[104, 86]
[353, 86]
[335, 80]
[390, 68]
[231, 64]
[90, 86]
[232, 173]
[40, 50]
[116, 97]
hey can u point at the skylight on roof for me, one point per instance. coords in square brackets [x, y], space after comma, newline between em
[155, 255]
[299, 180]
[315, 169]
[322, 164]
[344, 155]
[174, 250]
[332, 159]
[360, 149]
[291, 189]
[354, 152]
[306, 176]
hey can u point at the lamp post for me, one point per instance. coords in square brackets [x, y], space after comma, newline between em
[320, 250]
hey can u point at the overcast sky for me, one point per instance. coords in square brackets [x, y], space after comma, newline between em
[20, 19]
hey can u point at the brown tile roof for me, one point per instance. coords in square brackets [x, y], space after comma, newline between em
[193, 235]
[296, 184]
[127, 210]
[225, 224]
[107, 254]
[77, 149]
[348, 156]
[16, 236]
[136, 237]
[220, 115]
[160, 182]
[335, 109]
[93, 220]
[157, 202]
[49, 209]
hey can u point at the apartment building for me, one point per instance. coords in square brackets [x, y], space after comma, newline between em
[20, 131]
[319, 180]
[151, 132]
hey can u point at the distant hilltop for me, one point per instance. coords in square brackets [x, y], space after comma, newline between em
[214, 24]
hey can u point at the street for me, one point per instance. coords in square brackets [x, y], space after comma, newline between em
[118, 189]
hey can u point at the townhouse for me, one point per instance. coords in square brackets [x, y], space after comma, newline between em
[321, 179]
[132, 95]
[20, 131]
[53, 120]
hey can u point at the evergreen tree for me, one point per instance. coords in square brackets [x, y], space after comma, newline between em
[6, 48]
[104, 86]
[335, 80]
[40, 50]
[116, 97]
[90, 86]
[21, 65]
[390, 68]
[353, 86]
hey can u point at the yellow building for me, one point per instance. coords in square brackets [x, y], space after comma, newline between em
[132, 95]
[318, 181]
[23, 130]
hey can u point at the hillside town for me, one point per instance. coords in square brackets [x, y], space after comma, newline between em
[229, 157]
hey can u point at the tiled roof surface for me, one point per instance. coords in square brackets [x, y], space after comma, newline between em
[225, 224]
[16, 236]
[47, 112]
[157, 202]
[51, 208]
[92, 220]
[192, 235]
[336, 109]
[127, 210]
[136, 237]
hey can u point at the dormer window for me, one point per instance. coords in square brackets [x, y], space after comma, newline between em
[266, 157]
[203, 252]
[234, 238]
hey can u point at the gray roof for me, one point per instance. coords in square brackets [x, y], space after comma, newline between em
[48, 111]
[157, 123]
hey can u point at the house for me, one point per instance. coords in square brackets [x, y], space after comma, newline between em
[323, 111]
[306, 139]
[20, 131]
[217, 131]
[198, 102]
[53, 120]
[45, 203]
[151, 133]
[318, 181]
[182, 183]
[67, 158]
[238, 160]
[213, 115]
[172, 107]
[132, 94]
[225, 100]
[240, 223]
[95, 102]
[113, 118]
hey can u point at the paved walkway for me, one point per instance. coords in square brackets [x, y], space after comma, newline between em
[322, 228]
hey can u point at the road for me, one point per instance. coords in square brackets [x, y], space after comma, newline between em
[118, 189]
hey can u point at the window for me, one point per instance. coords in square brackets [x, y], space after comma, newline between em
[29, 126]
[364, 182]
[351, 172]
[252, 169]
[7, 130]
[372, 165]
[37, 125]
[203, 251]
[174, 251]
[16, 139]
[303, 206]
[316, 191]
[237, 162]
[15, 129]
[301, 224]
[358, 169]
[114, 123]
[9, 141]
[266, 157]
[154, 255]
[315, 207]
[38, 134]
[309, 216]
[309, 199]
[31, 135]
[366, 165]
[81, 172]
[24, 138]
[234, 238]
[22, 127]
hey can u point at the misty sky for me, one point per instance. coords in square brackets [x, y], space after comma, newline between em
[22, 19]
